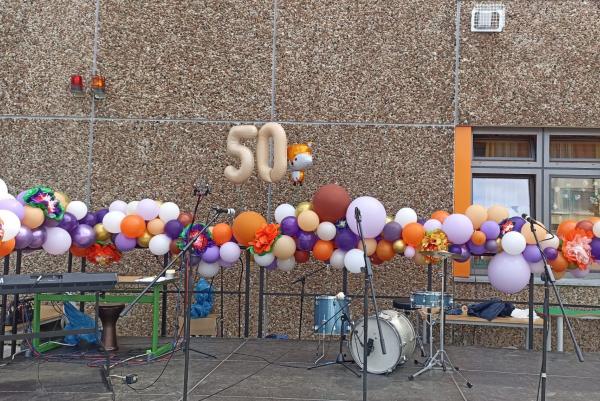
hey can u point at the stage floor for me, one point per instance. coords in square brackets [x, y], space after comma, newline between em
[263, 370]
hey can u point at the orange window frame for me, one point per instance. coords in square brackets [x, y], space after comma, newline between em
[463, 149]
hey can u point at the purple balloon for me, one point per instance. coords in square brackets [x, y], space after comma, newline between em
[272, 266]
[491, 229]
[69, 222]
[289, 226]
[345, 239]
[392, 231]
[23, 238]
[211, 254]
[14, 206]
[532, 254]
[100, 215]
[421, 221]
[173, 228]
[454, 248]
[476, 249]
[194, 260]
[578, 273]
[89, 219]
[84, 236]
[519, 222]
[51, 223]
[508, 273]
[39, 237]
[491, 246]
[21, 197]
[464, 254]
[124, 243]
[595, 248]
[551, 253]
[306, 241]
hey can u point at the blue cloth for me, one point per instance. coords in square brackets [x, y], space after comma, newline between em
[491, 309]
[204, 299]
[79, 320]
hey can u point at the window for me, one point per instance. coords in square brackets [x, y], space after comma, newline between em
[574, 148]
[504, 147]
[514, 192]
[573, 198]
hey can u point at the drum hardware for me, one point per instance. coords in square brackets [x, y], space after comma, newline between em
[302, 280]
[440, 358]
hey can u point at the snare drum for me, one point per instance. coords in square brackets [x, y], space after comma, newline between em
[328, 315]
[430, 299]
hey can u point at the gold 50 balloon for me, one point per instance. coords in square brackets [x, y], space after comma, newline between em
[266, 172]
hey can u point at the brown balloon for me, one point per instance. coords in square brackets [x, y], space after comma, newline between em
[330, 202]
[185, 218]
[173, 248]
[585, 225]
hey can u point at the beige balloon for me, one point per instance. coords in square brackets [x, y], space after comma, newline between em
[277, 172]
[308, 220]
[33, 218]
[497, 213]
[371, 245]
[284, 247]
[540, 232]
[236, 149]
[477, 214]
[156, 226]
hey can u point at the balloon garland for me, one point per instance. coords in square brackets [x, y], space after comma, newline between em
[325, 227]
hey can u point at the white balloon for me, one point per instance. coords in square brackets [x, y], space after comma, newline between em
[208, 270]
[596, 229]
[337, 259]
[551, 241]
[537, 267]
[168, 211]
[118, 206]
[354, 260]
[112, 221]
[58, 241]
[159, 244]
[230, 252]
[77, 209]
[10, 224]
[432, 225]
[3, 187]
[326, 231]
[264, 260]
[6, 196]
[132, 207]
[284, 210]
[405, 216]
[513, 243]
[286, 264]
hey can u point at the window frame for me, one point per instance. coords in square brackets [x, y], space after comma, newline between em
[502, 162]
[568, 163]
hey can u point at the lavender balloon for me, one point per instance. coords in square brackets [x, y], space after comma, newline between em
[392, 231]
[306, 241]
[23, 238]
[458, 228]
[124, 243]
[39, 237]
[173, 228]
[345, 239]
[14, 206]
[21, 197]
[532, 254]
[373, 216]
[578, 273]
[551, 253]
[84, 236]
[89, 219]
[100, 215]
[508, 273]
[289, 226]
[211, 254]
[69, 222]
[224, 264]
[491, 229]
[491, 246]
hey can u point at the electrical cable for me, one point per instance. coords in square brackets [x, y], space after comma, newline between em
[240, 298]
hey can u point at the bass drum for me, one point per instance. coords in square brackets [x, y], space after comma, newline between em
[399, 336]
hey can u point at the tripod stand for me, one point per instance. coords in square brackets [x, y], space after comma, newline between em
[302, 280]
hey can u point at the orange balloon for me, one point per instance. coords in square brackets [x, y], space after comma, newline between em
[323, 250]
[385, 250]
[478, 238]
[371, 245]
[440, 215]
[559, 275]
[156, 226]
[413, 234]
[245, 226]
[559, 264]
[376, 260]
[133, 226]
[7, 247]
[34, 217]
[564, 228]
[79, 252]
[222, 233]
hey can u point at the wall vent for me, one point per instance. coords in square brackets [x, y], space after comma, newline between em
[488, 18]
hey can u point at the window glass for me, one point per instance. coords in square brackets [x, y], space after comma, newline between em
[573, 198]
[574, 148]
[512, 192]
[501, 147]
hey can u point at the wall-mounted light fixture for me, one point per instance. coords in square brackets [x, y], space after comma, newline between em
[77, 88]
[98, 86]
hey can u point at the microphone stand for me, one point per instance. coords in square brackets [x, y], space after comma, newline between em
[303, 281]
[548, 278]
[368, 269]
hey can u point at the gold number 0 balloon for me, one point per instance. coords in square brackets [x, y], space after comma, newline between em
[236, 149]
[277, 172]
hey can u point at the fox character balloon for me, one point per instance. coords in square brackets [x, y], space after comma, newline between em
[300, 158]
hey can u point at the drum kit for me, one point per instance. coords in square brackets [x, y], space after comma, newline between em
[332, 317]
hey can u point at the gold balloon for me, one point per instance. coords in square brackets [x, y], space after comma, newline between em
[101, 233]
[63, 198]
[389, 219]
[302, 206]
[144, 240]
[399, 246]
[419, 259]
[499, 244]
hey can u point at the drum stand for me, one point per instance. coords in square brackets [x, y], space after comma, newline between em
[440, 358]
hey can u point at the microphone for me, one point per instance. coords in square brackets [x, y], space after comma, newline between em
[221, 210]
[528, 218]
[201, 188]
[357, 213]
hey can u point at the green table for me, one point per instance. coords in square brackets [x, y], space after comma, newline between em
[152, 298]
[556, 313]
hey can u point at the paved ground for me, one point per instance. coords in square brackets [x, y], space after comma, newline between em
[266, 370]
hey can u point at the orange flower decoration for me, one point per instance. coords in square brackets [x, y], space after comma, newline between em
[576, 248]
[264, 238]
[103, 255]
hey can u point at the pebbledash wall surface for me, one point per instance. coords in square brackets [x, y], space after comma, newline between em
[378, 86]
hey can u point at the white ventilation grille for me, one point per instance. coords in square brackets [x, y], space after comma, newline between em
[488, 18]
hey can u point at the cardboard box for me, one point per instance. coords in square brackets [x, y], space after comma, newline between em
[204, 326]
